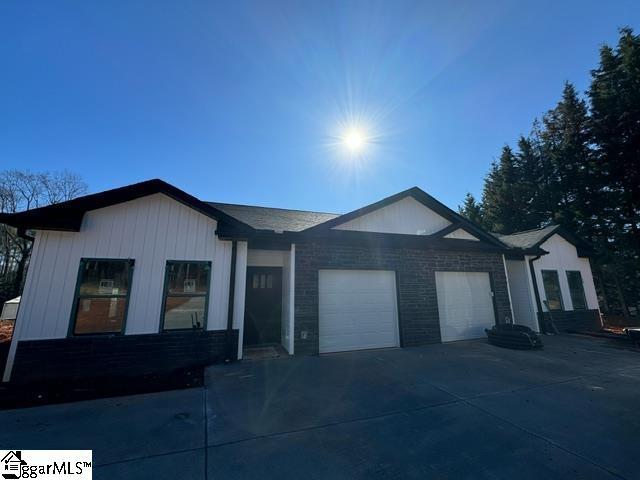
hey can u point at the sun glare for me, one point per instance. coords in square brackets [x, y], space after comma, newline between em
[354, 140]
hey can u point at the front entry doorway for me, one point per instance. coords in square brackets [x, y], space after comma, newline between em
[263, 306]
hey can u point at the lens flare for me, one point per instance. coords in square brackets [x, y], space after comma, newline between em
[354, 140]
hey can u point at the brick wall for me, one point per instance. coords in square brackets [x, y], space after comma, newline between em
[119, 355]
[572, 320]
[415, 272]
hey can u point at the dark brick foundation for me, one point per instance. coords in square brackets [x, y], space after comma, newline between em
[572, 320]
[415, 275]
[74, 358]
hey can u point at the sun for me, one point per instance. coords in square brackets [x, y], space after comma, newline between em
[354, 140]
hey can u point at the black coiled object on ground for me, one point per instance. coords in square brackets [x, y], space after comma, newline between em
[514, 336]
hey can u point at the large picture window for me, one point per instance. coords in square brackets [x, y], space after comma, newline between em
[186, 294]
[102, 294]
[552, 290]
[576, 290]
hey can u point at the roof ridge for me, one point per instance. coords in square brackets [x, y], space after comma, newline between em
[271, 208]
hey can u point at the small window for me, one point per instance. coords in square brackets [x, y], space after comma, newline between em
[576, 290]
[552, 289]
[186, 294]
[102, 294]
[262, 280]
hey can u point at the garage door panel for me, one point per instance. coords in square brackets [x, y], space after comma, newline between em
[336, 325]
[357, 310]
[346, 278]
[362, 319]
[465, 304]
[358, 300]
[357, 341]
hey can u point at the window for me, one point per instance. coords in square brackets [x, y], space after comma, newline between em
[262, 280]
[102, 294]
[576, 290]
[552, 289]
[186, 294]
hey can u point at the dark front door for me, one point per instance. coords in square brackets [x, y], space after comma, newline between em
[263, 306]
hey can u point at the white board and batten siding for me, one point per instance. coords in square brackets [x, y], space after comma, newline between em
[150, 230]
[522, 297]
[288, 299]
[460, 234]
[563, 257]
[239, 292]
[406, 216]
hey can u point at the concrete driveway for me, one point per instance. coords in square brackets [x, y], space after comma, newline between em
[464, 410]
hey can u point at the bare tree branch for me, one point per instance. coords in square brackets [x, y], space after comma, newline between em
[23, 190]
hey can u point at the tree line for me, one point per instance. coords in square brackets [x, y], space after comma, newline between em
[22, 190]
[580, 167]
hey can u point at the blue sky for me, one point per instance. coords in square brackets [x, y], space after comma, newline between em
[243, 101]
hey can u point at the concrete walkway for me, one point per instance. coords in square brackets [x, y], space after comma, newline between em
[466, 410]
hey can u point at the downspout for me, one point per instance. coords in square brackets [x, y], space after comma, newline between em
[535, 286]
[232, 291]
[506, 275]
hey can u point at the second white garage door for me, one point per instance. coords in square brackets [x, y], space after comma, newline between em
[465, 304]
[357, 309]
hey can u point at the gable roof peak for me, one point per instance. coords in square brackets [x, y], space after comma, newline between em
[535, 237]
[422, 197]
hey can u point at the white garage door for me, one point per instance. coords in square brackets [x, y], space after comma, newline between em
[357, 310]
[465, 304]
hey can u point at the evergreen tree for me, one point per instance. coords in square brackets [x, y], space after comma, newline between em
[580, 167]
[470, 209]
[565, 144]
[615, 126]
[502, 203]
[530, 179]
[615, 130]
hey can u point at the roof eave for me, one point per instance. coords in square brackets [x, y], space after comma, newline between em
[67, 216]
[69, 221]
[584, 249]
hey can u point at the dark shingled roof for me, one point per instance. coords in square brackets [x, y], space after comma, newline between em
[529, 238]
[67, 216]
[280, 219]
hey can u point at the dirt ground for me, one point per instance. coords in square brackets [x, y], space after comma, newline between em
[6, 330]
